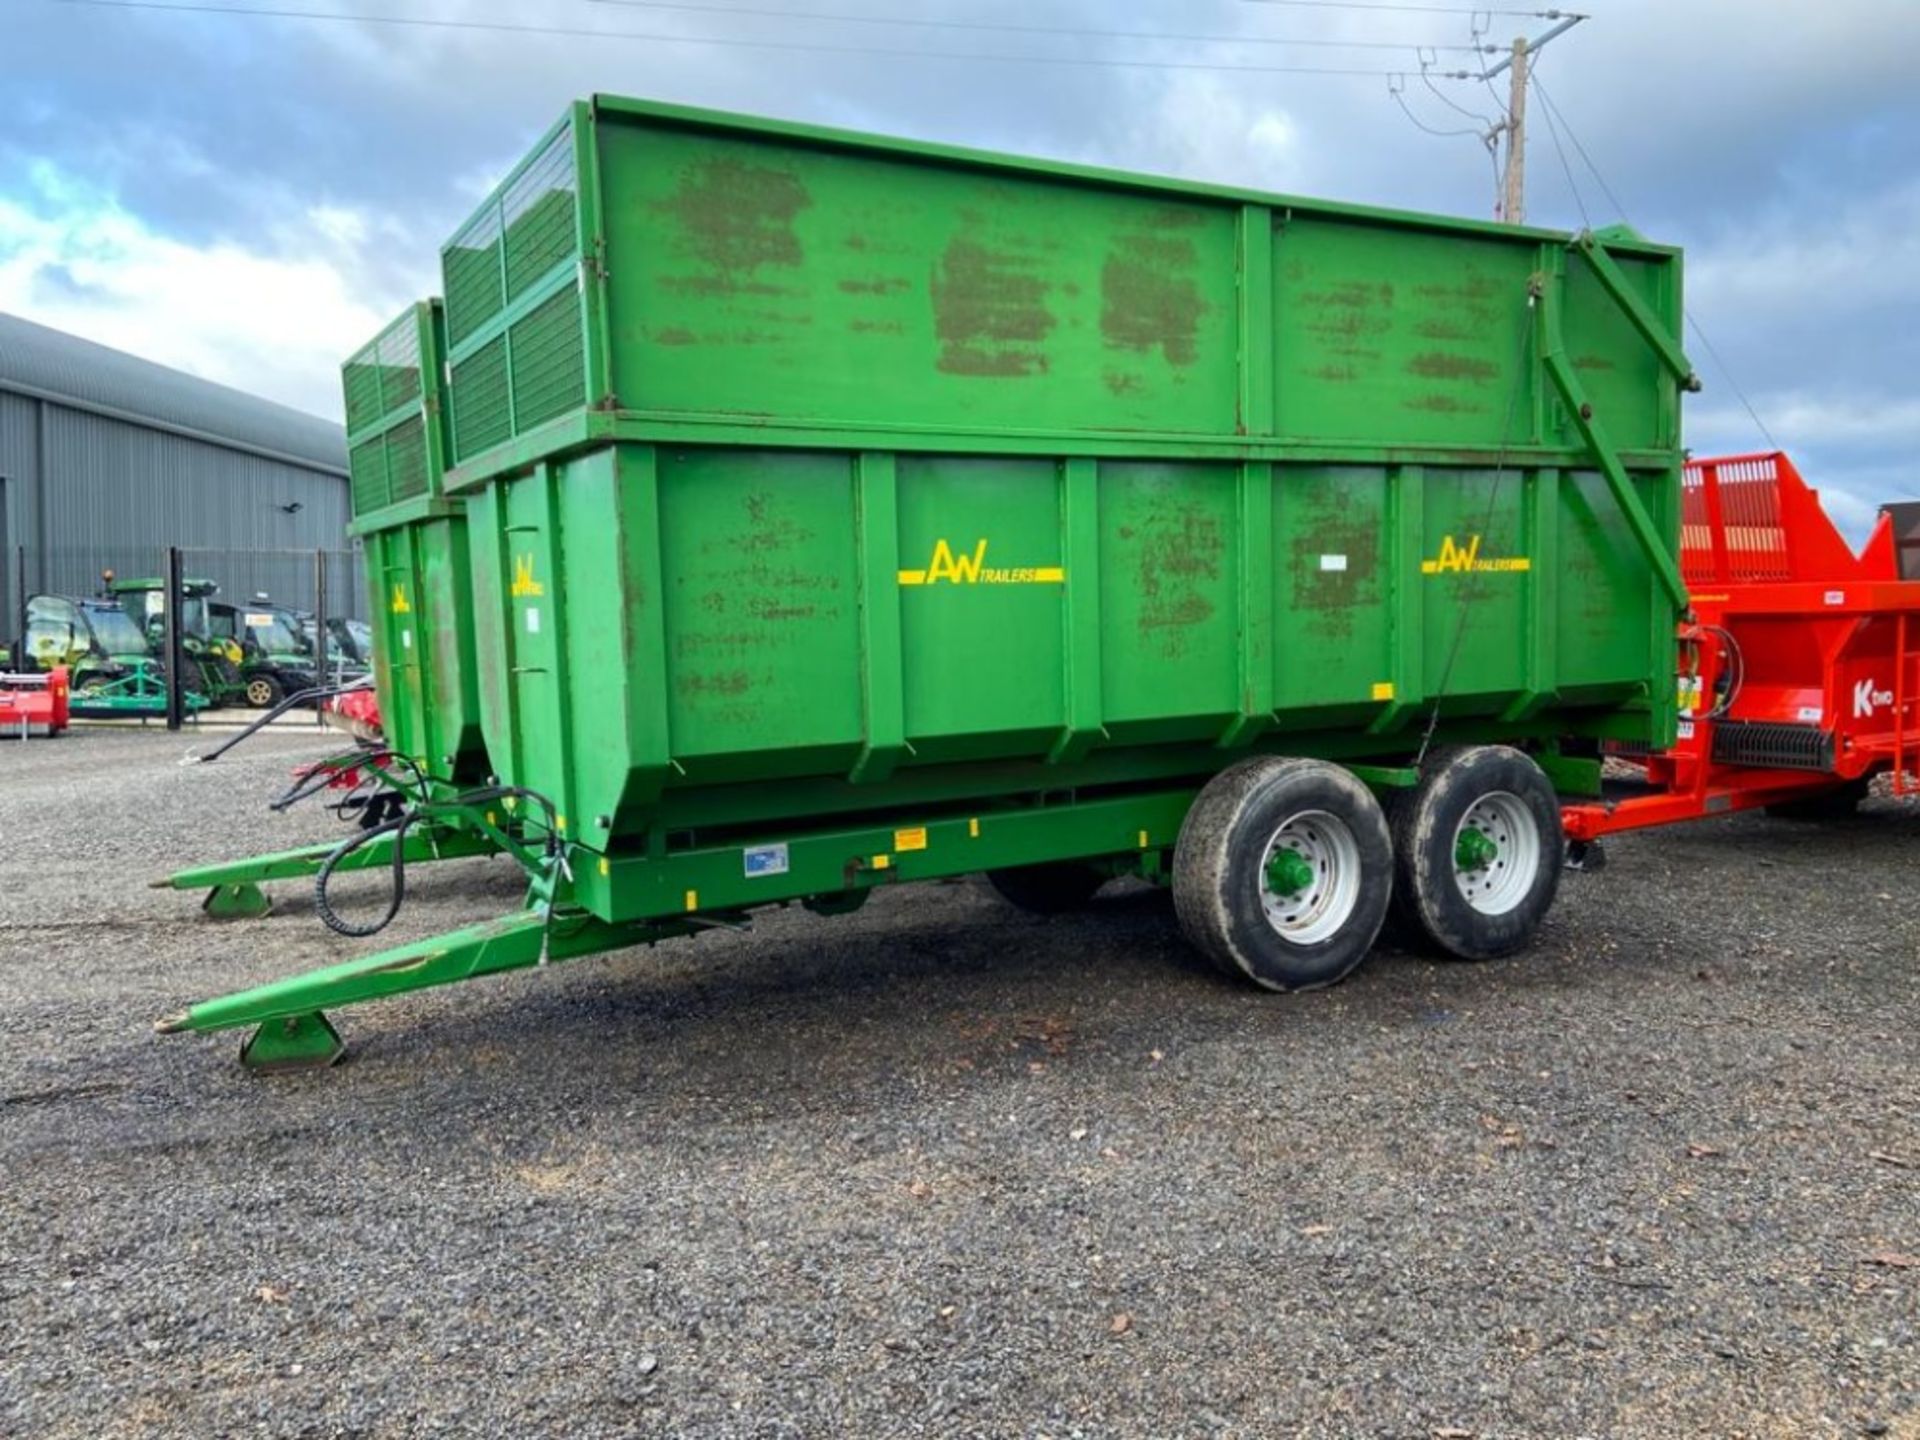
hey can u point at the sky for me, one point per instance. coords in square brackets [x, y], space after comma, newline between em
[249, 197]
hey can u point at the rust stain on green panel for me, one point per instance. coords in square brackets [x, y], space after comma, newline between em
[1148, 297]
[1180, 548]
[990, 311]
[737, 217]
[1439, 365]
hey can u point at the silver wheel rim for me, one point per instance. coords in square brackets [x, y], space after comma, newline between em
[1316, 911]
[1506, 877]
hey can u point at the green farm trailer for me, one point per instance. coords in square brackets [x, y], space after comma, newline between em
[841, 512]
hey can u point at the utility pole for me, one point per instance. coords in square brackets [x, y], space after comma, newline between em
[1513, 194]
[1513, 189]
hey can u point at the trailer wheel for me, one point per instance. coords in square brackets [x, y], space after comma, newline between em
[1282, 871]
[1050, 889]
[1839, 803]
[1477, 849]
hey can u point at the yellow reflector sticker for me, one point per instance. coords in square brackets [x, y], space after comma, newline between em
[973, 829]
[881, 862]
[693, 899]
[560, 821]
[915, 839]
[1383, 690]
[605, 869]
[1143, 839]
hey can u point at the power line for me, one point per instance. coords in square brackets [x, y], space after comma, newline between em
[731, 42]
[1553, 129]
[1412, 9]
[1693, 323]
[1074, 32]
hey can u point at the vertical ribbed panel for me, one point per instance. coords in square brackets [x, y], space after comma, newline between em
[407, 459]
[549, 361]
[480, 416]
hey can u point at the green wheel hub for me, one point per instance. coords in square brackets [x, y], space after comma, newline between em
[1288, 872]
[1474, 850]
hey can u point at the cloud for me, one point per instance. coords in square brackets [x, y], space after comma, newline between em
[275, 318]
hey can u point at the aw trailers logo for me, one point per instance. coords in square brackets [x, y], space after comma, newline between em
[1466, 560]
[1866, 699]
[967, 568]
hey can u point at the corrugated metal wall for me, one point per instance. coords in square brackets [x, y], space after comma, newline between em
[117, 491]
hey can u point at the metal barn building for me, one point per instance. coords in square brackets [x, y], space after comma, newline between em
[106, 458]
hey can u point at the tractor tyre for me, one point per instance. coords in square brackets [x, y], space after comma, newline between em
[264, 692]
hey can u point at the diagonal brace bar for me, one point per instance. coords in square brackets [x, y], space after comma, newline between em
[1608, 272]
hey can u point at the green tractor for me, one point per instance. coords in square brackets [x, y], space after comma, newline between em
[214, 661]
[276, 659]
[113, 669]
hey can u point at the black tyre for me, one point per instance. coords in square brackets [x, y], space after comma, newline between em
[264, 692]
[1840, 803]
[1282, 872]
[1477, 852]
[1050, 889]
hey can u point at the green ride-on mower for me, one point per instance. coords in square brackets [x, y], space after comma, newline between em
[114, 671]
[215, 661]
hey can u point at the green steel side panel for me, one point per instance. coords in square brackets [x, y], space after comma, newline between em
[418, 578]
[751, 277]
[709, 632]
[760, 603]
[981, 604]
[1168, 596]
[1385, 339]
[415, 542]
[1333, 593]
[1623, 376]
[653, 266]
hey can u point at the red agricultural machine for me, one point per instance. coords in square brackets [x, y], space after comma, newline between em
[34, 704]
[1800, 666]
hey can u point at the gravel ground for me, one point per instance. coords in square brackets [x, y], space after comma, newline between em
[941, 1169]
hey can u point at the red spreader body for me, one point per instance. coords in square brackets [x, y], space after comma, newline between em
[1799, 668]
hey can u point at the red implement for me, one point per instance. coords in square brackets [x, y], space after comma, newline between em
[34, 704]
[1800, 667]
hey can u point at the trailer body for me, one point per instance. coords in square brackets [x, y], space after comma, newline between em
[815, 474]
[415, 539]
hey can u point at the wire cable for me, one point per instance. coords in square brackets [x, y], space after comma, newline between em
[730, 42]
[1693, 322]
[1398, 92]
[1475, 10]
[1068, 31]
[1573, 185]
